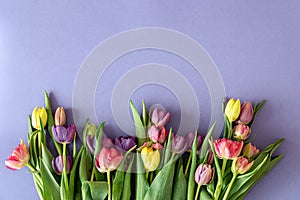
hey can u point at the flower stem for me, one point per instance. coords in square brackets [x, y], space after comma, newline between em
[147, 175]
[65, 166]
[230, 130]
[229, 186]
[151, 177]
[188, 164]
[75, 148]
[93, 174]
[224, 166]
[198, 190]
[109, 185]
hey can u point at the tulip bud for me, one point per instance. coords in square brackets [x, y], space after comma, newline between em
[125, 143]
[159, 117]
[179, 144]
[151, 158]
[190, 139]
[227, 149]
[91, 137]
[157, 135]
[204, 174]
[246, 113]
[60, 116]
[232, 110]
[108, 159]
[37, 114]
[64, 135]
[241, 131]
[19, 158]
[240, 165]
[58, 164]
[249, 150]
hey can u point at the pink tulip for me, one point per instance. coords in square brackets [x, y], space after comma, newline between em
[159, 117]
[249, 150]
[158, 134]
[19, 158]
[241, 131]
[246, 114]
[241, 165]
[108, 159]
[228, 149]
[204, 174]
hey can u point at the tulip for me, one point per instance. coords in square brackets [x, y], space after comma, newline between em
[64, 135]
[91, 137]
[190, 139]
[246, 113]
[159, 116]
[204, 174]
[228, 149]
[60, 116]
[249, 150]
[241, 165]
[125, 143]
[58, 164]
[157, 135]
[19, 158]
[179, 144]
[232, 110]
[151, 158]
[107, 142]
[108, 159]
[241, 131]
[37, 114]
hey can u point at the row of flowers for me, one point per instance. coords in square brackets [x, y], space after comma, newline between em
[156, 164]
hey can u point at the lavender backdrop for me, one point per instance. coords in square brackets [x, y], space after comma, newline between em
[255, 46]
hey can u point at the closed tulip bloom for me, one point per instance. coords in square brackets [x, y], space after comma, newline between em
[249, 150]
[37, 114]
[228, 149]
[240, 165]
[159, 116]
[125, 143]
[91, 137]
[246, 114]
[58, 164]
[108, 159]
[158, 134]
[204, 174]
[60, 116]
[190, 139]
[64, 135]
[179, 144]
[232, 110]
[19, 157]
[151, 158]
[241, 131]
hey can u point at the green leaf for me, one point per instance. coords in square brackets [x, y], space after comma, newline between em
[85, 166]
[204, 194]
[141, 182]
[205, 143]
[161, 187]
[168, 149]
[139, 126]
[219, 172]
[51, 187]
[84, 132]
[96, 189]
[74, 173]
[144, 114]
[191, 181]
[126, 194]
[33, 150]
[179, 191]
[30, 130]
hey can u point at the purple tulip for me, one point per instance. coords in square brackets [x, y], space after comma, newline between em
[179, 144]
[58, 164]
[64, 135]
[125, 143]
[159, 116]
[190, 139]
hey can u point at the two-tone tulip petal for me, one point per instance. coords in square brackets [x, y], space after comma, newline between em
[240, 165]
[108, 159]
[19, 158]
[241, 132]
[227, 149]
[204, 174]
[249, 150]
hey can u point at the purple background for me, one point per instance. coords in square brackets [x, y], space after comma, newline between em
[255, 45]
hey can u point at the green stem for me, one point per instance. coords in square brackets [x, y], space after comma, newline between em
[109, 185]
[229, 186]
[198, 190]
[230, 130]
[93, 174]
[188, 164]
[224, 166]
[151, 177]
[147, 175]
[74, 148]
[36, 176]
[65, 166]
[40, 143]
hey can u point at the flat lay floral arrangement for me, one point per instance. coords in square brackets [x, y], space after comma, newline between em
[155, 164]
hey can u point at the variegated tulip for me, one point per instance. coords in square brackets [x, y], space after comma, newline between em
[228, 149]
[249, 150]
[19, 158]
[241, 132]
[108, 159]
[240, 165]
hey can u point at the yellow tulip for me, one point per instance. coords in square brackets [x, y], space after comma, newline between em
[151, 158]
[39, 113]
[233, 109]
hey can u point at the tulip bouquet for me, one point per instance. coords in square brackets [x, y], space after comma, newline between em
[155, 164]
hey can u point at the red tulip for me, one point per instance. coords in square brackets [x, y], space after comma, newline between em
[228, 149]
[108, 159]
[19, 158]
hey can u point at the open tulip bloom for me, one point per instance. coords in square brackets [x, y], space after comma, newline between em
[155, 164]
